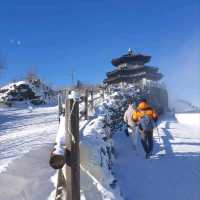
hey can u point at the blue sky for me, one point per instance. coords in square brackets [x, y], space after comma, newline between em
[58, 36]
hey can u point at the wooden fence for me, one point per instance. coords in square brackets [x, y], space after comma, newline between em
[68, 179]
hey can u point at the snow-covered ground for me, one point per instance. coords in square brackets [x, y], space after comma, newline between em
[96, 177]
[172, 172]
[25, 129]
[27, 135]
[192, 119]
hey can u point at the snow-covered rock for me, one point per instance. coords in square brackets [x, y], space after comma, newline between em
[34, 92]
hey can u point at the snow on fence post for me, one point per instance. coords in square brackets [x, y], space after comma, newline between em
[72, 154]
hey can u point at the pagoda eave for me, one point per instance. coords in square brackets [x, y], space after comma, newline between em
[132, 78]
[136, 58]
[126, 71]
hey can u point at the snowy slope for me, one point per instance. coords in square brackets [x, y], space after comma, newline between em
[172, 172]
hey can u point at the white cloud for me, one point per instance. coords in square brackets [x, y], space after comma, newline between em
[15, 42]
[11, 41]
[19, 42]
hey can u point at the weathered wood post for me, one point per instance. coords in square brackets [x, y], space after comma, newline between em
[59, 106]
[67, 92]
[72, 155]
[86, 104]
[61, 185]
[103, 93]
[92, 99]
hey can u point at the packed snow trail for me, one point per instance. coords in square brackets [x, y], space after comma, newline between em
[28, 177]
[175, 175]
[23, 129]
[26, 139]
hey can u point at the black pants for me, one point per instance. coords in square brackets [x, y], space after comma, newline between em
[147, 141]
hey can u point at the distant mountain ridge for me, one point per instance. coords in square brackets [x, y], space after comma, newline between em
[184, 106]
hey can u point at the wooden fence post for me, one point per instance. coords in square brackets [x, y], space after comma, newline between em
[61, 185]
[92, 100]
[66, 92]
[59, 106]
[103, 94]
[72, 154]
[68, 149]
[86, 104]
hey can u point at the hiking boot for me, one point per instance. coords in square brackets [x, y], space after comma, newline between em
[126, 132]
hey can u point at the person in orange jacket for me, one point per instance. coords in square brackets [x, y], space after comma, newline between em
[144, 109]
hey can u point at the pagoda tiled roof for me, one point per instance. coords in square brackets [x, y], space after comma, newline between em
[131, 58]
[129, 78]
[132, 71]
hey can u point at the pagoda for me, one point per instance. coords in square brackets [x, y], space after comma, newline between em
[132, 68]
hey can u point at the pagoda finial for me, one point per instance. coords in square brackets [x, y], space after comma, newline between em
[130, 51]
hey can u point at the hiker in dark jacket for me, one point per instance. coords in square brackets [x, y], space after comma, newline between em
[145, 116]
